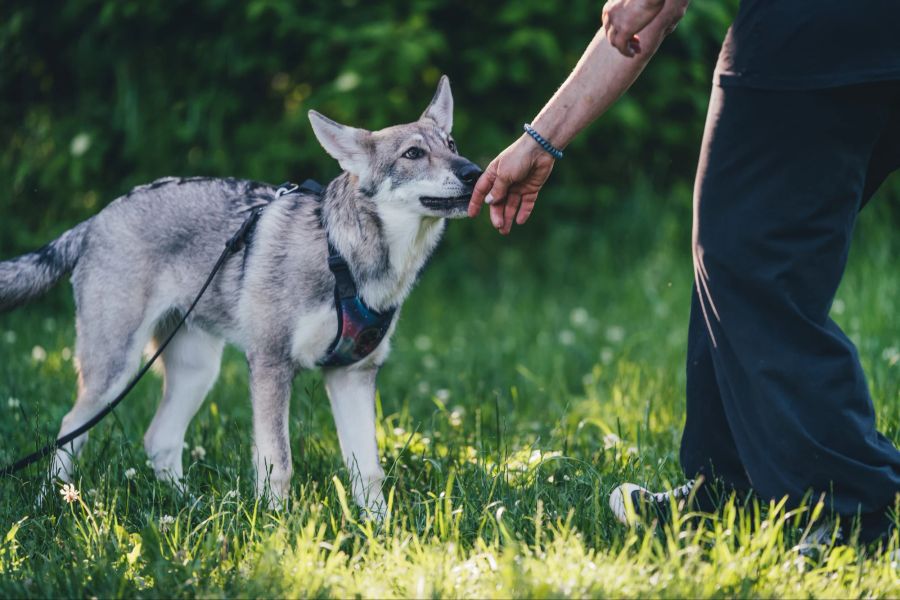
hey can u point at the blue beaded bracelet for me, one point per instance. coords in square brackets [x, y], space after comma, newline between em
[550, 148]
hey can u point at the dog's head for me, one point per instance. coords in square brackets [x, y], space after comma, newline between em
[415, 167]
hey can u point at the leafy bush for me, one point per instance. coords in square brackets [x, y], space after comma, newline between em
[98, 96]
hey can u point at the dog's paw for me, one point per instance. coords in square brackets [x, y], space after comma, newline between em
[277, 503]
[374, 510]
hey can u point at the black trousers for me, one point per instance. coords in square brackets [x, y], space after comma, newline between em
[777, 401]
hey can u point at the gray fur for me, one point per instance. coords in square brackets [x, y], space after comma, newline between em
[139, 263]
[27, 277]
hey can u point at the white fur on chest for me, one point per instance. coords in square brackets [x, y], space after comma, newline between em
[411, 240]
[313, 333]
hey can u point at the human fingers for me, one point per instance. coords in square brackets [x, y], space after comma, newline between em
[482, 187]
[526, 209]
[604, 18]
[499, 189]
[496, 210]
[513, 201]
[634, 45]
[618, 40]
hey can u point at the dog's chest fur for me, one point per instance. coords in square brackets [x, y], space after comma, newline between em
[287, 300]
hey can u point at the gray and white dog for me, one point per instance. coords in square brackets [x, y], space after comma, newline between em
[141, 260]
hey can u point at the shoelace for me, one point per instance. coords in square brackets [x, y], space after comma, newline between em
[680, 492]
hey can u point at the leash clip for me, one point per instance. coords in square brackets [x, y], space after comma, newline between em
[285, 189]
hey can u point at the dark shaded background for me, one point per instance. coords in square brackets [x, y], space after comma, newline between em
[98, 96]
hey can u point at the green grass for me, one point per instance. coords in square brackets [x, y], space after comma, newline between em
[524, 385]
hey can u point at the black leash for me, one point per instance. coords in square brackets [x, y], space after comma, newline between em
[235, 243]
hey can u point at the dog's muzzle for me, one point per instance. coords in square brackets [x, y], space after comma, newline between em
[446, 204]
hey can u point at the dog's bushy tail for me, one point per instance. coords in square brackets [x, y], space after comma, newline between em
[28, 276]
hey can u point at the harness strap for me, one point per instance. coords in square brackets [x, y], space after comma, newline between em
[344, 286]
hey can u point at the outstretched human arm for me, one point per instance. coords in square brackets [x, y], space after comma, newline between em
[632, 31]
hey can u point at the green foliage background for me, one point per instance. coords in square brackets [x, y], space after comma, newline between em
[98, 96]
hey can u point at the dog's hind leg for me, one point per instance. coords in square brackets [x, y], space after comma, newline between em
[352, 395]
[108, 351]
[191, 362]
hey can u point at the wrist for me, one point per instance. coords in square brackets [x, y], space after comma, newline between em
[542, 142]
[551, 130]
[530, 149]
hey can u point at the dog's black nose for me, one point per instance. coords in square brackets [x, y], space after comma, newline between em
[468, 173]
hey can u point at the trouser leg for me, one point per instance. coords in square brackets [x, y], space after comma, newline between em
[781, 178]
[707, 446]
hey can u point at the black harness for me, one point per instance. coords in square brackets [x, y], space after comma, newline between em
[360, 328]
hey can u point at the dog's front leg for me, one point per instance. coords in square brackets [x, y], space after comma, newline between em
[352, 395]
[270, 389]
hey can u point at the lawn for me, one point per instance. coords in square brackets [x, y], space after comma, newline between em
[524, 385]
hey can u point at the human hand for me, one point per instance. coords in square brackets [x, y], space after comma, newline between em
[511, 183]
[624, 19]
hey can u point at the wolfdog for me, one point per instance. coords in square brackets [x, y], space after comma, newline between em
[140, 261]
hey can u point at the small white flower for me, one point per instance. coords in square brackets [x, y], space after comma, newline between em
[891, 355]
[38, 354]
[429, 362]
[14, 402]
[69, 493]
[606, 356]
[611, 440]
[165, 522]
[423, 387]
[579, 317]
[566, 337]
[198, 453]
[130, 473]
[456, 417]
[346, 81]
[423, 343]
[442, 394]
[66, 354]
[80, 144]
[615, 334]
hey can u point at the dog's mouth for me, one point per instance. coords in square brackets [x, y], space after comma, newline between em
[448, 203]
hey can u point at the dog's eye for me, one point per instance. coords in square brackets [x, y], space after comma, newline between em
[414, 153]
[452, 145]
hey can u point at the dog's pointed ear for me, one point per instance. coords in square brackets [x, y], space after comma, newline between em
[347, 145]
[441, 108]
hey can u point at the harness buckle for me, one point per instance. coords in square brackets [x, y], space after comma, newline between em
[285, 189]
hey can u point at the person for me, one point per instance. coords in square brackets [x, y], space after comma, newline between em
[803, 126]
